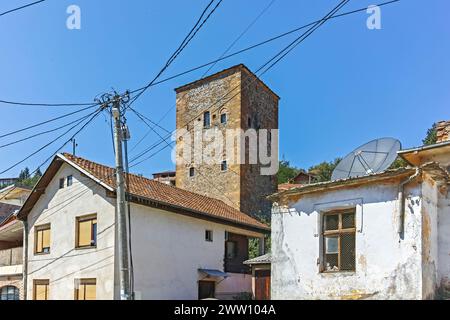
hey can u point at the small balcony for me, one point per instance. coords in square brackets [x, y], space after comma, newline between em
[11, 261]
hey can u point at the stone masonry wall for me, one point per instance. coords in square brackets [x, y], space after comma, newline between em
[241, 186]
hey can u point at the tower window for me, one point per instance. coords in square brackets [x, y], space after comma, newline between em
[224, 165]
[206, 119]
[223, 118]
[191, 171]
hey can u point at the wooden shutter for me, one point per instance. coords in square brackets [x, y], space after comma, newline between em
[84, 233]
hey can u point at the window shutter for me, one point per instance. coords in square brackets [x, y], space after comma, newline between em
[84, 233]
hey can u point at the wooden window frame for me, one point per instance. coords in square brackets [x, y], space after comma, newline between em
[38, 229]
[69, 178]
[84, 218]
[209, 238]
[338, 232]
[84, 282]
[41, 282]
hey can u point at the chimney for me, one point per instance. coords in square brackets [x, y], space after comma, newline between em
[443, 131]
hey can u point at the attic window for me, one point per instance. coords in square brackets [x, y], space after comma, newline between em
[61, 183]
[208, 235]
[69, 180]
[339, 241]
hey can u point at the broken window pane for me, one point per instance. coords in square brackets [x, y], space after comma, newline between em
[331, 245]
[348, 251]
[331, 222]
[348, 220]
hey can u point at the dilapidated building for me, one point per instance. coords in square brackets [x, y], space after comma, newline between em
[381, 236]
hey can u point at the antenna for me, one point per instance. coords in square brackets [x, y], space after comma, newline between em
[370, 158]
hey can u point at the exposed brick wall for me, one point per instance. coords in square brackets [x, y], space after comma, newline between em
[443, 131]
[13, 281]
[241, 186]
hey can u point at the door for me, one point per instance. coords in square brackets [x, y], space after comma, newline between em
[206, 289]
[262, 284]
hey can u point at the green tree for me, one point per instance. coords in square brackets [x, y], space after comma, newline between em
[286, 172]
[24, 174]
[323, 171]
[25, 178]
[398, 163]
[431, 137]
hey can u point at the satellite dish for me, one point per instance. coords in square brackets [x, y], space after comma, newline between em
[373, 157]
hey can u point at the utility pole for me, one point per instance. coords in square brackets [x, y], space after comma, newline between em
[122, 237]
[74, 145]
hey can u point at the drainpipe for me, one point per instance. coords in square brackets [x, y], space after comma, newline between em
[402, 199]
[25, 259]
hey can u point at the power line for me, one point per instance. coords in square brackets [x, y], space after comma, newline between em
[29, 104]
[259, 44]
[46, 121]
[182, 46]
[22, 7]
[44, 132]
[279, 55]
[93, 115]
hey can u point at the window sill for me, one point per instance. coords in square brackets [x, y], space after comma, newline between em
[86, 248]
[337, 273]
[41, 253]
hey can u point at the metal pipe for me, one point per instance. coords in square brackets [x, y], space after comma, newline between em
[402, 199]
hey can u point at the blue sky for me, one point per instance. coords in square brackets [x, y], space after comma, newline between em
[343, 86]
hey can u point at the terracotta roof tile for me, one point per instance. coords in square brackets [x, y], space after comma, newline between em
[167, 194]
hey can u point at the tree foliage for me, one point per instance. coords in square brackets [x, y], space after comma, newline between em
[25, 178]
[431, 137]
[323, 171]
[286, 172]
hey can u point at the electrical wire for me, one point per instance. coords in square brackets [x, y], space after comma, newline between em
[22, 7]
[47, 121]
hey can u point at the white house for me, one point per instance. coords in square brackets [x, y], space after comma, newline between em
[184, 245]
[383, 236]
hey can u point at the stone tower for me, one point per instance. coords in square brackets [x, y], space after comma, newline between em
[232, 99]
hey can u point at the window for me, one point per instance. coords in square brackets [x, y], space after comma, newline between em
[206, 119]
[41, 289]
[42, 239]
[191, 171]
[223, 118]
[61, 183]
[339, 241]
[85, 289]
[69, 180]
[86, 231]
[206, 289]
[208, 235]
[9, 293]
[224, 165]
[231, 249]
[249, 122]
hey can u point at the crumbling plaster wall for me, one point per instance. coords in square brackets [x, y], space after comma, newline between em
[386, 267]
[444, 240]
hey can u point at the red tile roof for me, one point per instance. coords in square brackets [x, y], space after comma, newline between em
[167, 194]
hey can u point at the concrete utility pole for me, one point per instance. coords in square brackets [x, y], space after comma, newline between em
[122, 237]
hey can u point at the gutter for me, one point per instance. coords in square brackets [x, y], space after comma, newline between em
[402, 199]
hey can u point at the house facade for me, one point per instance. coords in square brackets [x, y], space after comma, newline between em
[183, 245]
[383, 236]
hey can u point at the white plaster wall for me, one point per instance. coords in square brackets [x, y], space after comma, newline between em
[386, 267]
[168, 250]
[64, 264]
[444, 241]
[429, 238]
